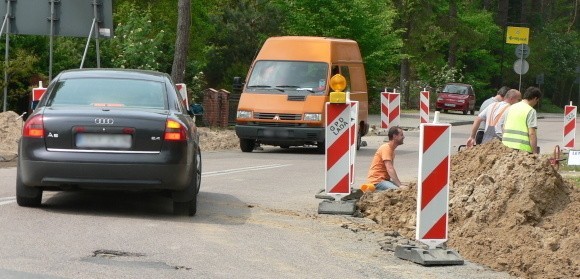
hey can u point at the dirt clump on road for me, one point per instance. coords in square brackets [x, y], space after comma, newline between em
[508, 210]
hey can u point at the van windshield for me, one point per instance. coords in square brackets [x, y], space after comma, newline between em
[281, 76]
[456, 89]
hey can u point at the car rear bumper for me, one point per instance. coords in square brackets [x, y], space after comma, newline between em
[281, 135]
[137, 176]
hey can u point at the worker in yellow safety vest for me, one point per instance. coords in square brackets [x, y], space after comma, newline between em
[521, 121]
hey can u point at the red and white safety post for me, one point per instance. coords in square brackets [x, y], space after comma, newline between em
[183, 91]
[433, 183]
[385, 109]
[569, 126]
[338, 146]
[353, 137]
[394, 109]
[424, 107]
[37, 94]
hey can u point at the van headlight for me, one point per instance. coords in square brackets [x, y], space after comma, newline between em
[312, 117]
[244, 114]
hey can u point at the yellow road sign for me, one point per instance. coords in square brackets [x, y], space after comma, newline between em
[517, 35]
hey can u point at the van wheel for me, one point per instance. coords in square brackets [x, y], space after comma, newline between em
[320, 148]
[247, 145]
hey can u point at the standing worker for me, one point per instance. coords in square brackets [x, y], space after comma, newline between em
[382, 172]
[521, 121]
[500, 95]
[490, 116]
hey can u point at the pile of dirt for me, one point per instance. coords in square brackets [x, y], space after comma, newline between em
[508, 210]
[10, 130]
[11, 126]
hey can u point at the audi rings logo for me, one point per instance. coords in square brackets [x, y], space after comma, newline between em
[104, 121]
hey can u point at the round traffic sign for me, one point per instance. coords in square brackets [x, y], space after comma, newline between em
[522, 51]
[521, 66]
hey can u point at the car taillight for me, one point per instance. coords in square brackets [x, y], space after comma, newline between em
[174, 131]
[34, 127]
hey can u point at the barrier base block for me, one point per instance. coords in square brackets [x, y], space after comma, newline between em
[428, 257]
[337, 207]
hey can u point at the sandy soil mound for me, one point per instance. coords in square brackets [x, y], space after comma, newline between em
[508, 210]
[10, 127]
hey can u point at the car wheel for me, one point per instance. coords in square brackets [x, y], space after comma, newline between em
[472, 112]
[185, 208]
[247, 145]
[189, 206]
[437, 109]
[464, 112]
[444, 111]
[25, 195]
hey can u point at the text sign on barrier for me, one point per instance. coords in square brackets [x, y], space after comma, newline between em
[574, 158]
[384, 110]
[36, 95]
[569, 126]
[337, 159]
[353, 138]
[424, 107]
[394, 109]
[433, 183]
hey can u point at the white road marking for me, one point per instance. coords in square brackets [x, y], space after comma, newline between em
[255, 168]
[7, 200]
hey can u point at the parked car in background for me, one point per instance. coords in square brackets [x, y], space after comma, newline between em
[456, 96]
[110, 129]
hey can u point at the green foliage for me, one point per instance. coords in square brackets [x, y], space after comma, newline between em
[21, 75]
[139, 41]
[547, 106]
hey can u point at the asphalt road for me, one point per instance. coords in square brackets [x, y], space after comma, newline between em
[257, 218]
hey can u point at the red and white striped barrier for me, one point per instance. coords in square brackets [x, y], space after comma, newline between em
[337, 159]
[394, 109]
[353, 138]
[433, 183]
[424, 107]
[384, 110]
[36, 95]
[570, 126]
[182, 88]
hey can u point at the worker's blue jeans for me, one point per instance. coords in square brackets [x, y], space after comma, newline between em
[386, 185]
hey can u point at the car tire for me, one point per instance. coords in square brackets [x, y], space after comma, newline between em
[437, 109]
[472, 112]
[444, 111]
[247, 145]
[465, 112]
[189, 208]
[25, 195]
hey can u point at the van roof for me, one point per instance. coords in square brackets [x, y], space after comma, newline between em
[305, 48]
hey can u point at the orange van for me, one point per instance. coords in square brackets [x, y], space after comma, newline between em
[284, 95]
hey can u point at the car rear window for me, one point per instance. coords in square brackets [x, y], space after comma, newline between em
[108, 92]
[457, 89]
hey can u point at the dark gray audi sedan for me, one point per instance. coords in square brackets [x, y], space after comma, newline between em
[110, 129]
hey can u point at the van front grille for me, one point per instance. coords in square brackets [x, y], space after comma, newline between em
[277, 116]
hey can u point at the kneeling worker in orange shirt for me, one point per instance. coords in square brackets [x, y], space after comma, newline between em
[382, 173]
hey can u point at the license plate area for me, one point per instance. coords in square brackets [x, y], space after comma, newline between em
[101, 141]
[450, 105]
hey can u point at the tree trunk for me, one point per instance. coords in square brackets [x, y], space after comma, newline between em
[181, 41]
[452, 59]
